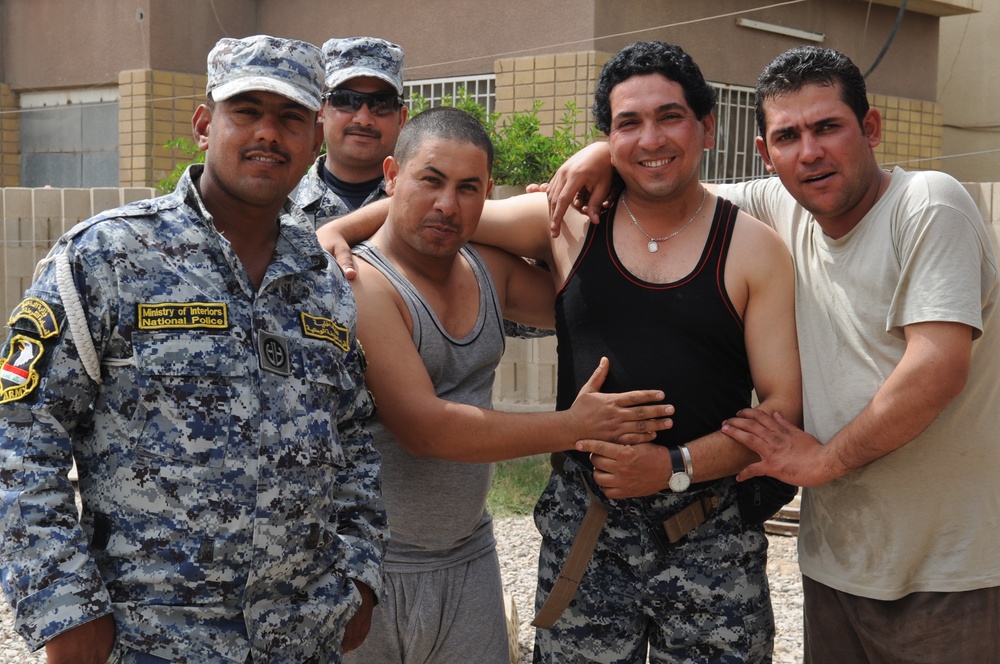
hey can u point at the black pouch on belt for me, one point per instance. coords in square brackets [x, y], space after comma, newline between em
[760, 498]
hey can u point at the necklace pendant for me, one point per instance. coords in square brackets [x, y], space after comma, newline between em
[653, 247]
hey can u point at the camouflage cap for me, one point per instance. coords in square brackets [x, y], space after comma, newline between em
[288, 67]
[352, 57]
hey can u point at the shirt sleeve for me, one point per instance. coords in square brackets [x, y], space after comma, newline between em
[363, 524]
[46, 571]
[946, 260]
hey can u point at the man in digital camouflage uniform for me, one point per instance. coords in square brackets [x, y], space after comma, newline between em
[362, 116]
[196, 355]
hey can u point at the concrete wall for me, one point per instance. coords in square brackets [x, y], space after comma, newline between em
[33, 219]
[967, 73]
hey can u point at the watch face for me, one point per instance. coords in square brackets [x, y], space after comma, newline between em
[679, 482]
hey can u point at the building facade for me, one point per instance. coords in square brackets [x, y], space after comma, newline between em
[91, 91]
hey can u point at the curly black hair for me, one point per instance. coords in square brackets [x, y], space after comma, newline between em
[652, 57]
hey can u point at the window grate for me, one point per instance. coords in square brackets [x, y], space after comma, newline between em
[481, 88]
[733, 159]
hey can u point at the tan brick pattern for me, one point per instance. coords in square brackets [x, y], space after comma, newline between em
[154, 107]
[911, 132]
[10, 132]
[552, 79]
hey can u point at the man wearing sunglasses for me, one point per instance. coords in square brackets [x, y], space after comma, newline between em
[362, 115]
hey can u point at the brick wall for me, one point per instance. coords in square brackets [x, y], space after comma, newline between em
[552, 79]
[154, 107]
[911, 132]
[10, 143]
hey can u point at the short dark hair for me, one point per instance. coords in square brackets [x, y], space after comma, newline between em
[652, 57]
[811, 65]
[442, 122]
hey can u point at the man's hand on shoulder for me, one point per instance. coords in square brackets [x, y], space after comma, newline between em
[331, 239]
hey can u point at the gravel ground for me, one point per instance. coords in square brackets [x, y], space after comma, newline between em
[518, 549]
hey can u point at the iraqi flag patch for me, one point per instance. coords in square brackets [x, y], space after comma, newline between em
[18, 374]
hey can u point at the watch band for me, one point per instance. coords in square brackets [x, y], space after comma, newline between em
[679, 480]
[688, 466]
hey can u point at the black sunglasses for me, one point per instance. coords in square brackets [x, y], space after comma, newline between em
[379, 103]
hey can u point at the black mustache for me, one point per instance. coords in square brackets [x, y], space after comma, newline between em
[362, 131]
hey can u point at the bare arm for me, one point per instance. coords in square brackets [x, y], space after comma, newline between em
[932, 372]
[516, 225]
[526, 292]
[339, 235]
[766, 290]
[429, 426]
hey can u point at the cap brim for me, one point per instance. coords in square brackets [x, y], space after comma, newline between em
[340, 77]
[265, 84]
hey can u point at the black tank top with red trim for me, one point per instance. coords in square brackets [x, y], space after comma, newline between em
[684, 338]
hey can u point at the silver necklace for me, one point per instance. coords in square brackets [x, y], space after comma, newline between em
[653, 244]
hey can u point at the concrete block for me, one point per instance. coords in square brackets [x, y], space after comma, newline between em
[105, 198]
[131, 194]
[566, 60]
[524, 77]
[76, 205]
[545, 61]
[17, 203]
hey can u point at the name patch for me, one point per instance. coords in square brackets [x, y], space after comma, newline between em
[326, 329]
[184, 315]
[38, 314]
[18, 376]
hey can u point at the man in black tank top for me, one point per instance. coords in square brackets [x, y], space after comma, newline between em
[685, 294]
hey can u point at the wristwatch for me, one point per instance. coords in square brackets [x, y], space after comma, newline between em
[679, 478]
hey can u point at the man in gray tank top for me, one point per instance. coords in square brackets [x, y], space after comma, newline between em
[430, 310]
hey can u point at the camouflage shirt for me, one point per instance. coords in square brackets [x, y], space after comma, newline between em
[230, 492]
[319, 202]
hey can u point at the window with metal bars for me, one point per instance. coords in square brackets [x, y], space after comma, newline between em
[733, 159]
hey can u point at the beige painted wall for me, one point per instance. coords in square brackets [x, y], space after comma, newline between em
[968, 91]
[448, 37]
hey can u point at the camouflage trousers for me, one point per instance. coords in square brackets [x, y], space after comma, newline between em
[704, 599]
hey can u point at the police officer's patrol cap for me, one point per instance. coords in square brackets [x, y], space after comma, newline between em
[288, 67]
[353, 57]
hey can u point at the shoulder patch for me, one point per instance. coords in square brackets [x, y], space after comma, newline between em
[18, 375]
[36, 315]
[326, 329]
[184, 315]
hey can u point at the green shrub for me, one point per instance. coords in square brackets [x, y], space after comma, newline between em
[522, 153]
[189, 148]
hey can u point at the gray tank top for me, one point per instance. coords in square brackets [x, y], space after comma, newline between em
[437, 509]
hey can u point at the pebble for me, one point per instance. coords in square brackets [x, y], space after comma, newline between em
[517, 545]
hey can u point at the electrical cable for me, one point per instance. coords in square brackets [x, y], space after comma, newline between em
[892, 36]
